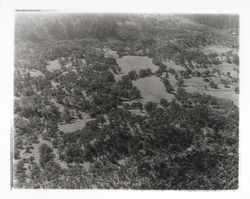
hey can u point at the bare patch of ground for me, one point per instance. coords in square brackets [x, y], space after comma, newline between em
[53, 65]
[128, 63]
[77, 124]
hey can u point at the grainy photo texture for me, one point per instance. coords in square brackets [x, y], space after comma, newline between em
[126, 101]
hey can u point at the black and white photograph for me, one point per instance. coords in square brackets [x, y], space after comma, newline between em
[125, 101]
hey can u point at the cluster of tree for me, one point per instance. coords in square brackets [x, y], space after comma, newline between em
[171, 70]
[231, 57]
[145, 72]
[132, 75]
[237, 90]
[185, 73]
[168, 86]
[159, 147]
[212, 84]
[161, 70]
[229, 81]
[185, 57]
[133, 105]
[180, 82]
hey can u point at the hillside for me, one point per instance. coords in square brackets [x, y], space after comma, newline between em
[44, 26]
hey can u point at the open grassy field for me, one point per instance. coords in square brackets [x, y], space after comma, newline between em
[35, 73]
[128, 63]
[75, 125]
[152, 89]
[171, 64]
[53, 65]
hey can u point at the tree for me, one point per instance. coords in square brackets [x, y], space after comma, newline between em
[126, 105]
[20, 172]
[150, 107]
[140, 106]
[135, 93]
[213, 85]
[125, 79]
[171, 70]
[132, 75]
[142, 73]
[162, 69]
[167, 85]
[79, 115]
[16, 152]
[145, 72]
[73, 153]
[52, 170]
[148, 71]
[20, 167]
[205, 74]
[119, 69]
[66, 115]
[157, 60]
[93, 125]
[101, 119]
[46, 154]
[35, 171]
[85, 105]
[228, 59]
[180, 82]
[237, 90]
[197, 73]
[164, 102]
[94, 111]
[236, 59]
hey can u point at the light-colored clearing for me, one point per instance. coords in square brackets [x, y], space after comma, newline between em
[172, 79]
[35, 73]
[128, 63]
[54, 84]
[214, 48]
[53, 65]
[137, 112]
[152, 89]
[171, 64]
[225, 67]
[77, 124]
[197, 81]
